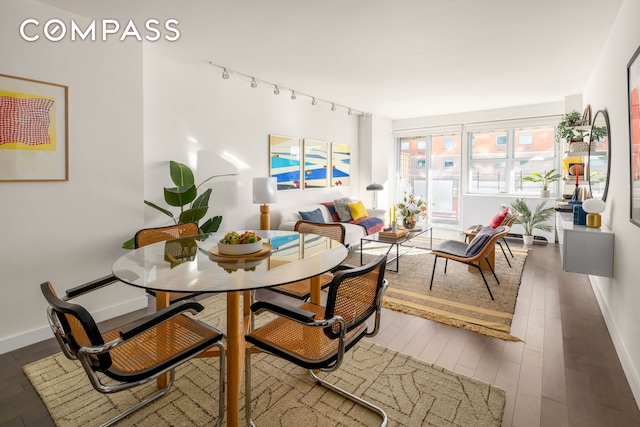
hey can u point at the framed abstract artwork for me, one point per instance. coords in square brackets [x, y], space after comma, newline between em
[633, 80]
[285, 161]
[34, 142]
[316, 164]
[340, 165]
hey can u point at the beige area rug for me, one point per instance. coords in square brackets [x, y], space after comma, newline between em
[458, 298]
[412, 393]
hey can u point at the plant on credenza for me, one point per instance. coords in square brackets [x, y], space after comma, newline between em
[532, 220]
[185, 196]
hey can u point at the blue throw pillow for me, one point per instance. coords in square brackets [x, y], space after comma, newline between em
[479, 241]
[313, 216]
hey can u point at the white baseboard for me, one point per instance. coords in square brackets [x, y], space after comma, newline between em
[40, 334]
[628, 367]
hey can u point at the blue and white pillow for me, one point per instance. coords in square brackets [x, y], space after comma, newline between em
[479, 241]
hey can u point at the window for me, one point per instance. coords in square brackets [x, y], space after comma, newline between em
[421, 164]
[498, 160]
[448, 143]
[448, 163]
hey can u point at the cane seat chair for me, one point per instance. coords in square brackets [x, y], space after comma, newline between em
[316, 337]
[133, 354]
[147, 236]
[472, 253]
[302, 289]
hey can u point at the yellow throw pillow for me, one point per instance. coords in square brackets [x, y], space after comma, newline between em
[357, 210]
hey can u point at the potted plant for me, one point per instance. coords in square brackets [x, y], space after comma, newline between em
[410, 208]
[566, 131]
[185, 196]
[532, 220]
[544, 179]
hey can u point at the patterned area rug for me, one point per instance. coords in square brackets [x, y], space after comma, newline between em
[412, 393]
[458, 298]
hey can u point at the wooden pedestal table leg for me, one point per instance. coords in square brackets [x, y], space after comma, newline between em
[162, 301]
[316, 292]
[235, 357]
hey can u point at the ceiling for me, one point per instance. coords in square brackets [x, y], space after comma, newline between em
[395, 59]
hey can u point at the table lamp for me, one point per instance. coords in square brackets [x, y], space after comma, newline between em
[264, 192]
[594, 207]
[375, 188]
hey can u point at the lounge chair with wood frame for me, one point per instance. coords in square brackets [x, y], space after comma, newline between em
[302, 289]
[472, 253]
[316, 337]
[147, 236]
[133, 354]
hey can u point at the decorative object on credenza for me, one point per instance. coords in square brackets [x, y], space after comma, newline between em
[633, 82]
[193, 207]
[34, 143]
[545, 180]
[594, 207]
[410, 208]
[531, 220]
[265, 192]
[375, 188]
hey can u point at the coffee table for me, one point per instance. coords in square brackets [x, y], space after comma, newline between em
[404, 241]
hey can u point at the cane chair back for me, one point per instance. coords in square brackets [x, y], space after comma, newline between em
[302, 289]
[135, 353]
[316, 337]
[148, 236]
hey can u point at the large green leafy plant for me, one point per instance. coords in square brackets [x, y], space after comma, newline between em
[545, 179]
[532, 220]
[184, 195]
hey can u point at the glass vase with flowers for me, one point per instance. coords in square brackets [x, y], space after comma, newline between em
[411, 209]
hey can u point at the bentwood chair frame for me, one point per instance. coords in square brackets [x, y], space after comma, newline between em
[133, 354]
[302, 289]
[316, 337]
[147, 236]
[455, 250]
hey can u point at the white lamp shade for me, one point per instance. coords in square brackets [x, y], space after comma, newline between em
[265, 190]
[594, 205]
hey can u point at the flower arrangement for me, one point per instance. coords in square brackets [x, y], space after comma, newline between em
[412, 206]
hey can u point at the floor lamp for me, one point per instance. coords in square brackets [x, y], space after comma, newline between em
[375, 188]
[265, 191]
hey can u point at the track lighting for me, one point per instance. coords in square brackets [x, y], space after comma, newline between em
[276, 90]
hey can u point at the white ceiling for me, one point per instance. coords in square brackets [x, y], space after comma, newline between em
[396, 59]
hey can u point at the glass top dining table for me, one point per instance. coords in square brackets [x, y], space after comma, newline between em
[194, 264]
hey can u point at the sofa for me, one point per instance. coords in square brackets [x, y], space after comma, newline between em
[286, 218]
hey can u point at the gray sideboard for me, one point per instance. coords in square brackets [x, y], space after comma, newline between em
[583, 249]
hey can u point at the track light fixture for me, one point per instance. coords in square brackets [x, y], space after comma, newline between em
[276, 90]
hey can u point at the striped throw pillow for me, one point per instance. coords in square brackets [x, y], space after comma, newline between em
[479, 241]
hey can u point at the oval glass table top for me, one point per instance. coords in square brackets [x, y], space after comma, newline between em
[193, 264]
[599, 155]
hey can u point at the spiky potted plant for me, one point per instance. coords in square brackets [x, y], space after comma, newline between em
[537, 219]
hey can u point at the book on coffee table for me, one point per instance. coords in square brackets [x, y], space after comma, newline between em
[391, 235]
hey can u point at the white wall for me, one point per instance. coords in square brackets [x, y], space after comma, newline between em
[189, 107]
[70, 232]
[607, 89]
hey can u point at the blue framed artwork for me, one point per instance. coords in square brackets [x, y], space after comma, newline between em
[285, 161]
[316, 164]
[340, 165]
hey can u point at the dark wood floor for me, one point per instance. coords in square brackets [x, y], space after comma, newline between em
[565, 373]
